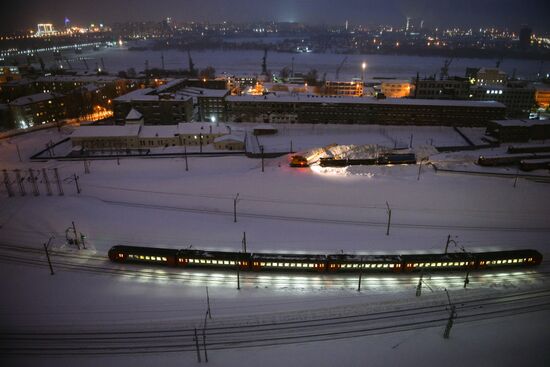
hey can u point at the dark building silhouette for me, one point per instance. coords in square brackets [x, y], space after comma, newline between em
[525, 37]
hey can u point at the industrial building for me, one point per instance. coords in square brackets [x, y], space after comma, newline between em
[351, 110]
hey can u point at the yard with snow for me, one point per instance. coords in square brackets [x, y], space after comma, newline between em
[156, 202]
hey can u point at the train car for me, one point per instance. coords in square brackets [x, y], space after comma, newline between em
[437, 262]
[289, 262]
[504, 259]
[534, 164]
[367, 263]
[213, 259]
[528, 149]
[305, 159]
[506, 160]
[149, 255]
[395, 158]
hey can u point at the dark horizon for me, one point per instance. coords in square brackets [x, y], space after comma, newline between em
[436, 13]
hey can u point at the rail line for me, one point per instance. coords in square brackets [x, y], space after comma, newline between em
[239, 334]
[99, 265]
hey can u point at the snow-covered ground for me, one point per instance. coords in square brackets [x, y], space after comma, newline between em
[155, 202]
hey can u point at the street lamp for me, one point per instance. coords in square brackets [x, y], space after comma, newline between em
[363, 68]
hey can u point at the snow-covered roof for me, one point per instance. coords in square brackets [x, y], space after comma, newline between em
[106, 131]
[33, 98]
[229, 137]
[77, 79]
[202, 127]
[137, 94]
[158, 131]
[265, 127]
[521, 123]
[134, 115]
[270, 98]
[204, 92]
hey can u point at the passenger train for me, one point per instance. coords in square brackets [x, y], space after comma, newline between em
[336, 263]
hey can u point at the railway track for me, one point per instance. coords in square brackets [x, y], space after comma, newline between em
[275, 329]
[100, 265]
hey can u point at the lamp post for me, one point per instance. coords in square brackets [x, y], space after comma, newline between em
[363, 68]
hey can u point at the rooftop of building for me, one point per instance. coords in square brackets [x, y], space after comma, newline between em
[77, 79]
[230, 137]
[134, 115]
[521, 123]
[364, 100]
[106, 131]
[189, 128]
[33, 98]
[159, 131]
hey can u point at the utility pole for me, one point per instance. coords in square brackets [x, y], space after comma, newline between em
[467, 279]
[238, 272]
[185, 153]
[18, 152]
[262, 151]
[204, 338]
[48, 255]
[34, 184]
[235, 208]
[196, 340]
[516, 179]
[76, 183]
[86, 166]
[75, 236]
[20, 182]
[411, 141]
[449, 240]
[388, 210]
[244, 242]
[200, 143]
[419, 170]
[7, 182]
[59, 185]
[360, 274]
[450, 322]
[419, 286]
[47, 181]
[208, 304]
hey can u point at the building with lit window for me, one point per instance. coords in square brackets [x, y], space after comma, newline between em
[38, 109]
[136, 136]
[542, 95]
[395, 88]
[351, 110]
[9, 73]
[518, 97]
[451, 88]
[490, 77]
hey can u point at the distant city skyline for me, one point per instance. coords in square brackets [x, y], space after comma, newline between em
[435, 13]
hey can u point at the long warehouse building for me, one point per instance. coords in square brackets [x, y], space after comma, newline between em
[351, 110]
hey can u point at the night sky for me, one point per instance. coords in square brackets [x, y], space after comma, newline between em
[25, 14]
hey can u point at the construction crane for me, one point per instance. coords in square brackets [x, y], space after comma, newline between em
[445, 69]
[192, 70]
[264, 63]
[340, 67]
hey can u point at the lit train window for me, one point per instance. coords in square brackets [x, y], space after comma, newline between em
[378, 265]
[141, 257]
[391, 265]
[530, 259]
[287, 264]
[432, 264]
[462, 263]
[385, 265]
[232, 263]
[438, 264]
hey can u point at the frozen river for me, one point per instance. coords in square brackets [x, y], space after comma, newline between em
[249, 62]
